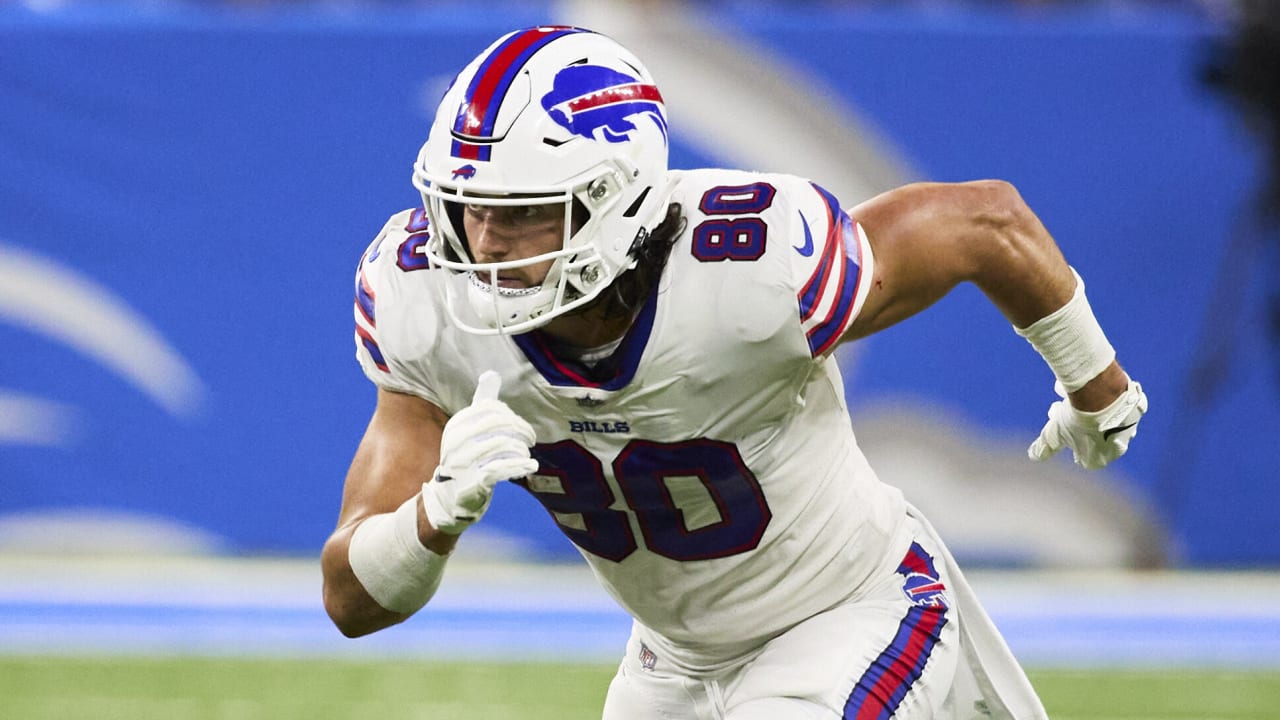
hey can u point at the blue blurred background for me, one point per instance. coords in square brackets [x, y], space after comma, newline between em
[185, 189]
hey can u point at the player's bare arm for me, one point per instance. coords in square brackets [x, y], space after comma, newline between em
[416, 483]
[929, 237]
[398, 453]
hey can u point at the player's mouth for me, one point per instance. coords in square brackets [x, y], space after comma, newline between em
[507, 283]
[512, 282]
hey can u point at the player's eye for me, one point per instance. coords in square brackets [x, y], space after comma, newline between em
[537, 213]
[514, 214]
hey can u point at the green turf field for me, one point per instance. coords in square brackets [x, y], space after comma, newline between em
[233, 689]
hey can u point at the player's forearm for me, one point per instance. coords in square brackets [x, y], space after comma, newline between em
[384, 568]
[1102, 390]
[346, 601]
[1023, 272]
[1013, 259]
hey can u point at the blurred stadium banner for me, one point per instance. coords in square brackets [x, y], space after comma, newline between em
[187, 187]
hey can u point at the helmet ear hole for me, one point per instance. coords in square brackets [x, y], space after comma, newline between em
[635, 206]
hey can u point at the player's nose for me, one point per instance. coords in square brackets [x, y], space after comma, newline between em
[490, 240]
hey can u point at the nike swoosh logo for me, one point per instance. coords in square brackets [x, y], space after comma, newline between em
[1106, 434]
[807, 249]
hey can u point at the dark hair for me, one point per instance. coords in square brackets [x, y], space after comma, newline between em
[651, 250]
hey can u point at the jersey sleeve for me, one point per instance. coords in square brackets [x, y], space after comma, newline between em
[375, 307]
[832, 267]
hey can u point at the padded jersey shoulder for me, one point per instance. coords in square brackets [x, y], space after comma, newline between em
[398, 305]
[777, 239]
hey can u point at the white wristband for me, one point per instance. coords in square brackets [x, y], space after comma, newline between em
[390, 562]
[1071, 341]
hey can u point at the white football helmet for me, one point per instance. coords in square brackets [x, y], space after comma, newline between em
[546, 115]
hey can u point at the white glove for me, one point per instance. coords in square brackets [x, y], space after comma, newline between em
[482, 445]
[1095, 438]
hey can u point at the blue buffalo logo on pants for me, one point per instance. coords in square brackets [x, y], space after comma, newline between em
[599, 103]
[922, 584]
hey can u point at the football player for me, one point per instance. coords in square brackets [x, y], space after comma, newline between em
[648, 352]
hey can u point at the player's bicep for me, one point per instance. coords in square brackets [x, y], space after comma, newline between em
[398, 453]
[916, 234]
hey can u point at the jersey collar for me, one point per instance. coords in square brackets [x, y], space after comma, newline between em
[611, 373]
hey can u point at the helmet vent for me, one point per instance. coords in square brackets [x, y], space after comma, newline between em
[635, 206]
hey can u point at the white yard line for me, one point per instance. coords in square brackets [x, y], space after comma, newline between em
[501, 610]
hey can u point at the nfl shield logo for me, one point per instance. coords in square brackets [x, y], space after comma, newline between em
[647, 659]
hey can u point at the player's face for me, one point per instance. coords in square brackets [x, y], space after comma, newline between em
[498, 233]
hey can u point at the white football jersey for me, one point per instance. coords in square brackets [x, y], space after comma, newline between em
[707, 470]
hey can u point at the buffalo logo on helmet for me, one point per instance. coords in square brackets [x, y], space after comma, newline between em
[466, 172]
[599, 103]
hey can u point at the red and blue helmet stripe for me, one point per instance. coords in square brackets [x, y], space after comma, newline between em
[478, 112]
